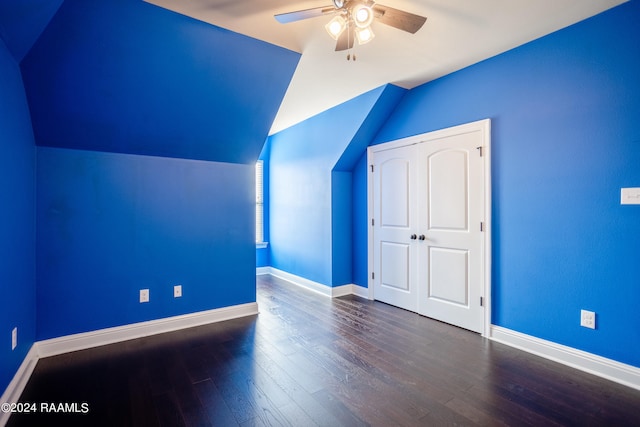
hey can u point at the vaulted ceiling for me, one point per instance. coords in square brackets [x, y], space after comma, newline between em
[143, 77]
[457, 33]
[22, 22]
[128, 77]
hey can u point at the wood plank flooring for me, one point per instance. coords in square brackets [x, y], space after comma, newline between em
[307, 360]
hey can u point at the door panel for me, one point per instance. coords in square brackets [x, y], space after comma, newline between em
[448, 276]
[448, 192]
[394, 269]
[394, 192]
[395, 266]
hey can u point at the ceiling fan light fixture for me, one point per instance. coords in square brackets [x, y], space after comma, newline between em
[364, 35]
[362, 15]
[353, 18]
[336, 26]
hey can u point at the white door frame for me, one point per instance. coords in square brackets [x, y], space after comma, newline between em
[485, 127]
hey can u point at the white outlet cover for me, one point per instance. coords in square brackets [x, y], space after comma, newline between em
[14, 338]
[144, 295]
[177, 291]
[588, 319]
[630, 196]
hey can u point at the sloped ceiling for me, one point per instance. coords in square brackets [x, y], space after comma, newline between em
[458, 33]
[21, 23]
[388, 100]
[125, 76]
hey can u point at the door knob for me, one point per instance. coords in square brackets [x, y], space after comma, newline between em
[422, 237]
[414, 237]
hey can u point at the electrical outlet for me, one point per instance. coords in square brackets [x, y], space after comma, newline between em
[177, 291]
[588, 319]
[144, 295]
[14, 338]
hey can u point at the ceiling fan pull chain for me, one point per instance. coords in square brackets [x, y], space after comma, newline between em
[351, 52]
[348, 36]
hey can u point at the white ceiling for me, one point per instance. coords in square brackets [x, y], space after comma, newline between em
[457, 33]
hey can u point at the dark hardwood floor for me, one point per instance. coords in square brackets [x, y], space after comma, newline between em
[308, 360]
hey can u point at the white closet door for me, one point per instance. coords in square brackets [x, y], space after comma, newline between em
[394, 248]
[451, 240]
[429, 227]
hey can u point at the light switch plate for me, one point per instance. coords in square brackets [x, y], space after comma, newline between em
[630, 196]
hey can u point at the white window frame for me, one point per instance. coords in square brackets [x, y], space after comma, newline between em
[260, 243]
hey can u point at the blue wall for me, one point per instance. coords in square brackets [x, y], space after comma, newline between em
[123, 79]
[360, 220]
[17, 219]
[112, 224]
[566, 138]
[341, 228]
[310, 198]
[129, 77]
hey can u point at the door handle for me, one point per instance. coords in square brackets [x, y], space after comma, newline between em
[414, 237]
[422, 237]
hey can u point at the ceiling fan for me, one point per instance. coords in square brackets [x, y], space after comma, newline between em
[352, 20]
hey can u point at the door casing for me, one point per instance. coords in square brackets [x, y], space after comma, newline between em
[485, 127]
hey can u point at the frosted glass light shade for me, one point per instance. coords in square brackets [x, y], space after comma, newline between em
[362, 15]
[336, 26]
[364, 35]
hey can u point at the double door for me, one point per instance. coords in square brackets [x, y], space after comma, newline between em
[429, 226]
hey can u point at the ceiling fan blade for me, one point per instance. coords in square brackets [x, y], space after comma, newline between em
[285, 18]
[399, 19]
[345, 41]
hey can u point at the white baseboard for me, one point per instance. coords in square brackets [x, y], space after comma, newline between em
[340, 291]
[16, 386]
[327, 291]
[302, 282]
[263, 270]
[600, 366]
[69, 343]
[351, 289]
[597, 365]
[360, 291]
[606, 368]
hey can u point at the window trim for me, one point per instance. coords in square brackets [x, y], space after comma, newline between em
[259, 178]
